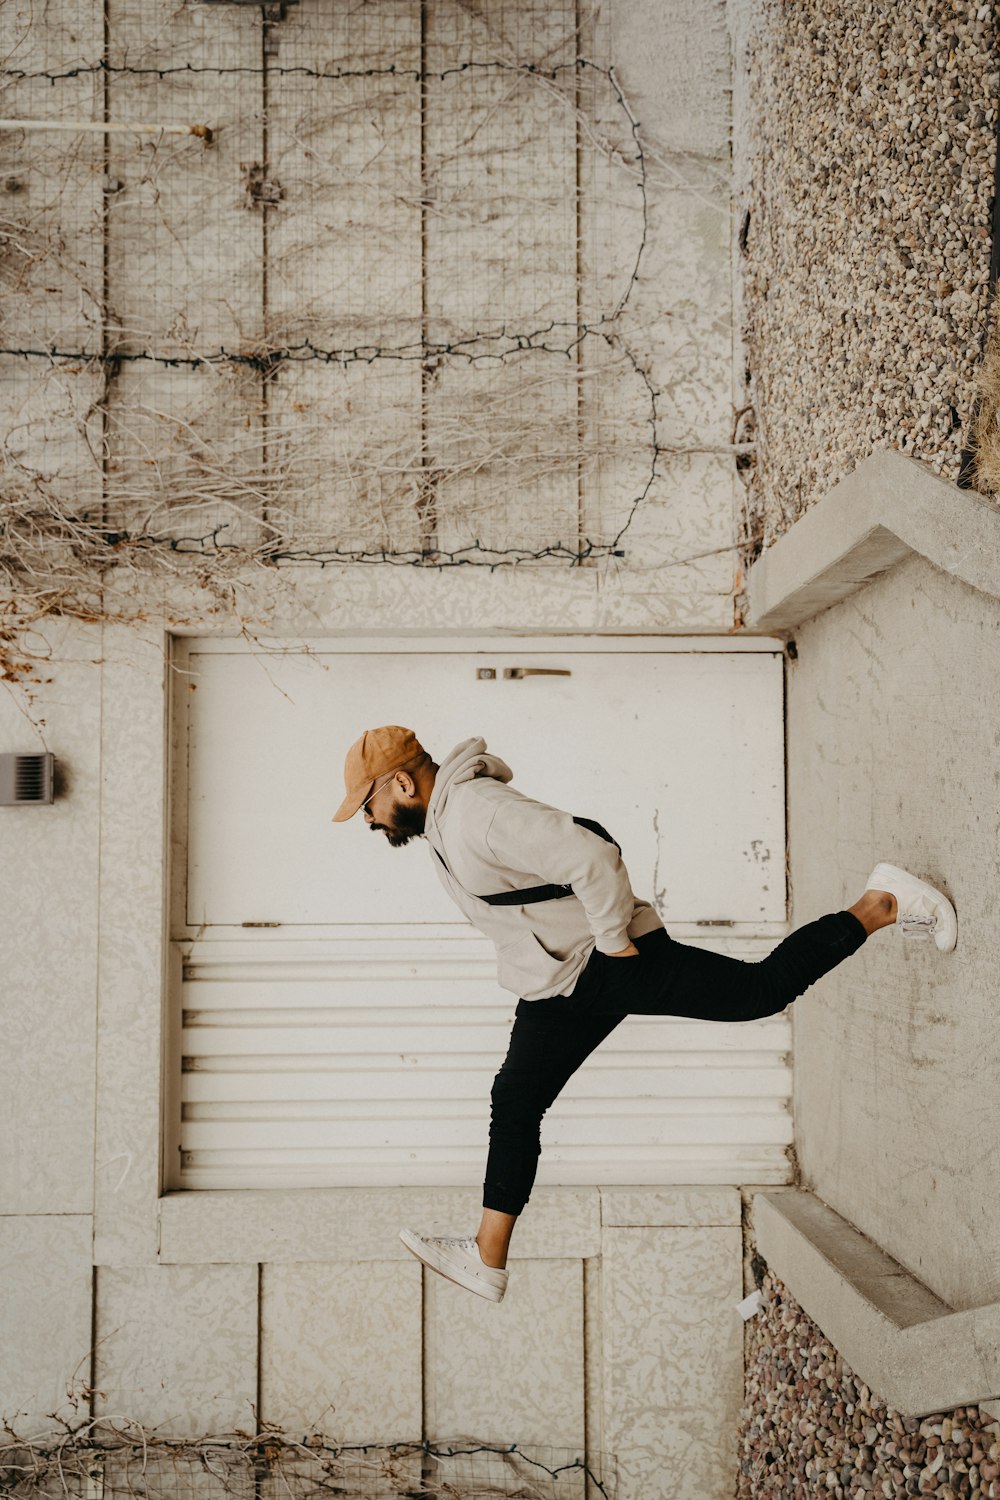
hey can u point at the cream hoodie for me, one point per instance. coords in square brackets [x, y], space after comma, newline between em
[493, 838]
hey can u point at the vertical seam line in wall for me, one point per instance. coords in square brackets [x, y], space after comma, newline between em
[594, 1374]
[105, 272]
[578, 294]
[427, 519]
[424, 1273]
[92, 1372]
[746, 1275]
[105, 264]
[260, 1345]
[587, 1434]
[793, 1159]
[267, 369]
[784, 777]
[167, 1060]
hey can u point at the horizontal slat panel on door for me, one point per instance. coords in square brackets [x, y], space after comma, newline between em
[410, 1135]
[436, 1036]
[400, 1170]
[609, 1054]
[414, 984]
[466, 1082]
[654, 1165]
[295, 1071]
[289, 1112]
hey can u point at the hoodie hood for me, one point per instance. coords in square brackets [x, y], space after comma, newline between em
[467, 761]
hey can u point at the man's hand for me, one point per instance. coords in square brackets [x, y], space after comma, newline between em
[626, 952]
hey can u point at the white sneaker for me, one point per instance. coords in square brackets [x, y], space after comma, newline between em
[459, 1260]
[921, 909]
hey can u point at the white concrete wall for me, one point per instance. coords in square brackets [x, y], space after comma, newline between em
[893, 715]
[622, 1332]
[191, 1311]
[50, 859]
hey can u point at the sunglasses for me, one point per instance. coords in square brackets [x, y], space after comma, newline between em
[375, 790]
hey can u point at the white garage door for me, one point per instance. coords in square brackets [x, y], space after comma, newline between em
[334, 1019]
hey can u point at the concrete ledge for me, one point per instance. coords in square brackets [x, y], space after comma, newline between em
[890, 507]
[911, 1349]
[326, 1225]
[286, 1226]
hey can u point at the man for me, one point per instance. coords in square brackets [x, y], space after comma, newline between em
[577, 947]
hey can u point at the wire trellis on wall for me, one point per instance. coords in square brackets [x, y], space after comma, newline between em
[374, 311]
[103, 1462]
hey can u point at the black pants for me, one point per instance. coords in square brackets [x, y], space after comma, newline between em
[551, 1038]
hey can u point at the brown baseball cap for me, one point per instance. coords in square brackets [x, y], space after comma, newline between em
[375, 754]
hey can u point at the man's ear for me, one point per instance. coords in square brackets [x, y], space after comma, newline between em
[406, 783]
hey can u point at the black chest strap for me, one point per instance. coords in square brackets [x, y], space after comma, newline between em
[540, 892]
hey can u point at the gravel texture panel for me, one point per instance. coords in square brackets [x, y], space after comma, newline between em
[810, 1427]
[868, 243]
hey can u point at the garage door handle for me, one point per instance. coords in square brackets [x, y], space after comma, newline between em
[516, 672]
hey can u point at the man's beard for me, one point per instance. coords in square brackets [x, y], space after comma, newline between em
[407, 823]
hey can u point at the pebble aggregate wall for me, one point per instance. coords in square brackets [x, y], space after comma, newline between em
[810, 1427]
[866, 252]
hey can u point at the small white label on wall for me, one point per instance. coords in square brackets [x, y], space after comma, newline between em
[750, 1305]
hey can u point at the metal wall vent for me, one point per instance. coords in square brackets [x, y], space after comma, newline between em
[25, 779]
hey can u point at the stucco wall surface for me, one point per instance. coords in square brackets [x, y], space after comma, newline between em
[49, 857]
[893, 736]
[46, 1295]
[622, 1301]
[595, 1338]
[204, 262]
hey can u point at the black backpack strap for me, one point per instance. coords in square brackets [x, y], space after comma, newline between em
[540, 892]
[602, 833]
[526, 897]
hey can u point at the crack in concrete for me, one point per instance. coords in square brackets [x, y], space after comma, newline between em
[659, 892]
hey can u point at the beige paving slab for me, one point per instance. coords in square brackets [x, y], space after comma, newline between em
[49, 860]
[510, 1371]
[673, 1359]
[669, 1208]
[45, 1314]
[177, 1347]
[341, 1349]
